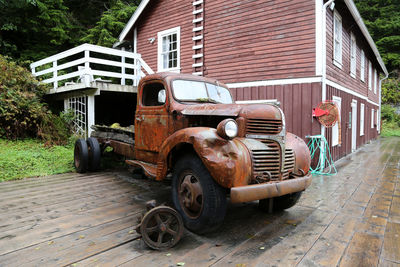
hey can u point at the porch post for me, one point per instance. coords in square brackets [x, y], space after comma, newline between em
[90, 113]
[123, 68]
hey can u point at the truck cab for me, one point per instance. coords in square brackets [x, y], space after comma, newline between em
[215, 149]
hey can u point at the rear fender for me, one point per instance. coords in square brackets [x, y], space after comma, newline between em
[228, 161]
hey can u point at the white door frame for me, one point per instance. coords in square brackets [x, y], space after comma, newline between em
[353, 125]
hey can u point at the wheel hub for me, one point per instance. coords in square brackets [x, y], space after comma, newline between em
[191, 195]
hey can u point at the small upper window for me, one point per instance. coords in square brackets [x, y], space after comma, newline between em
[369, 75]
[362, 68]
[337, 39]
[169, 50]
[150, 94]
[353, 56]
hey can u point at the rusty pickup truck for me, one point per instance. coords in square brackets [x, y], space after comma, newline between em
[215, 149]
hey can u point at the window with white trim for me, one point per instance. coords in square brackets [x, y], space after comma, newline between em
[169, 50]
[362, 67]
[375, 80]
[353, 56]
[335, 129]
[369, 75]
[337, 39]
[362, 110]
[372, 118]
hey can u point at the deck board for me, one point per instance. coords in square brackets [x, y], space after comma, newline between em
[351, 219]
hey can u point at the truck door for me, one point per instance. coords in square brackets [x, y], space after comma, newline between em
[151, 118]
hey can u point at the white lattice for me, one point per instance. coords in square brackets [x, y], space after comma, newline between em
[79, 106]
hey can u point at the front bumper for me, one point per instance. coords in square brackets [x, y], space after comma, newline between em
[268, 190]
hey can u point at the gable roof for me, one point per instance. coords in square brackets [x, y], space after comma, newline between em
[133, 19]
[349, 3]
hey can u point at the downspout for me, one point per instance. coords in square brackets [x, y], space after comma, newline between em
[380, 100]
[324, 73]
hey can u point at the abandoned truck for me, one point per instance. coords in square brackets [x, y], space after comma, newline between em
[214, 148]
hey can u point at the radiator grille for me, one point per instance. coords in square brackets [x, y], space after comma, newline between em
[266, 163]
[262, 126]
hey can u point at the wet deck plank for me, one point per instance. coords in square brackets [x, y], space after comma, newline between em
[351, 219]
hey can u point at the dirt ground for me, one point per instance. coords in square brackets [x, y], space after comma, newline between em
[351, 219]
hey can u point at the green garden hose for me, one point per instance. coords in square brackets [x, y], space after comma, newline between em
[325, 164]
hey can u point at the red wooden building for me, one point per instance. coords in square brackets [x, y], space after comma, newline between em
[299, 52]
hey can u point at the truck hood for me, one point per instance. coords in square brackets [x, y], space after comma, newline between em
[264, 111]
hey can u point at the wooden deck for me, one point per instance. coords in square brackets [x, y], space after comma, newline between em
[352, 219]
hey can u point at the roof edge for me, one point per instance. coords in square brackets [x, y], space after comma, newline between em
[133, 19]
[356, 15]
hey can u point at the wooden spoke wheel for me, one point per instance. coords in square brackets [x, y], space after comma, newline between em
[161, 228]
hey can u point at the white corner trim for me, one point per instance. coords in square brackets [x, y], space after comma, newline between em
[349, 91]
[318, 37]
[133, 19]
[275, 82]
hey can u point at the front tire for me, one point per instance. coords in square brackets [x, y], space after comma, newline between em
[196, 196]
[94, 154]
[81, 156]
[279, 203]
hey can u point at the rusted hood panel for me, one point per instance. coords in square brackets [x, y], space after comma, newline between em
[264, 111]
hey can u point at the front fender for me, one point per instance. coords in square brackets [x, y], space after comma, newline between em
[228, 161]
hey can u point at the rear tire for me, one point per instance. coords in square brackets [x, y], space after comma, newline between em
[81, 156]
[279, 203]
[196, 196]
[94, 154]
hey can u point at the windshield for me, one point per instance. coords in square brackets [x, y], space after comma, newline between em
[200, 92]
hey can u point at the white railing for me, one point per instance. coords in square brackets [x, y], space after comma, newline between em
[86, 60]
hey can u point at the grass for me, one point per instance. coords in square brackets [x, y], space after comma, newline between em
[390, 129]
[29, 158]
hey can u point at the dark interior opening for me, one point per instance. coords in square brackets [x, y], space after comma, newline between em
[115, 107]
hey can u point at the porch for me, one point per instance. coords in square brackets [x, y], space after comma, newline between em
[351, 219]
[80, 74]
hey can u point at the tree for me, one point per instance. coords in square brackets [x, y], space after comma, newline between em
[382, 18]
[111, 23]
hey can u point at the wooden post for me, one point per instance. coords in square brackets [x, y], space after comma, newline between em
[55, 83]
[90, 114]
[123, 68]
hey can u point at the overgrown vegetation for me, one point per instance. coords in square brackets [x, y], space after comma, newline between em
[29, 158]
[22, 110]
[390, 121]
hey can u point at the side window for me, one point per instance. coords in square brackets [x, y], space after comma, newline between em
[337, 39]
[335, 129]
[150, 95]
[169, 50]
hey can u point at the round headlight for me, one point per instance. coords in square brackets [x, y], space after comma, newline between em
[227, 129]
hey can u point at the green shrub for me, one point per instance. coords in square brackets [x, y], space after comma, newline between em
[22, 110]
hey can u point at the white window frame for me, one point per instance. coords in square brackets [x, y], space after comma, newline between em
[375, 80]
[362, 118]
[372, 118]
[369, 75]
[335, 129]
[160, 35]
[353, 55]
[362, 68]
[337, 39]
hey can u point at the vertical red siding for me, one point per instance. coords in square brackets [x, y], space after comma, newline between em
[259, 40]
[162, 15]
[369, 133]
[297, 101]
